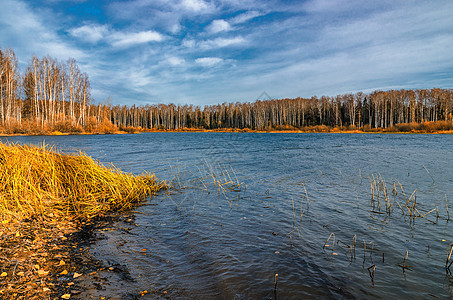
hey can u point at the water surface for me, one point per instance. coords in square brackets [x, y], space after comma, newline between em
[240, 214]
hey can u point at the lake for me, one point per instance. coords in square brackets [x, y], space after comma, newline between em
[332, 214]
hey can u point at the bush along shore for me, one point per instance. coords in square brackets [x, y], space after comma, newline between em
[49, 204]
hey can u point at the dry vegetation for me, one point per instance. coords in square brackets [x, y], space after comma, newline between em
[45, 197]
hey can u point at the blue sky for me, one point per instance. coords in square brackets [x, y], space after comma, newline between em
[213, 51]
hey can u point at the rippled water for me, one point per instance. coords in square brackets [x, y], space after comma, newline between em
[205, 241]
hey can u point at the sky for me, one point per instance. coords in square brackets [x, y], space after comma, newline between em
[206, 52]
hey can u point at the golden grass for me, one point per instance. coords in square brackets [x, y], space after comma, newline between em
[40, 181]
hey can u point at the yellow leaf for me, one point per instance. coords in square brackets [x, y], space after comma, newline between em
[61, 263]
[64, 272]
[5, 222]
[20, 273]
[42, 272]
[45, 289]
[77, 275]
[66, 296]
[70, 283]
[36, 267]
[4, 274]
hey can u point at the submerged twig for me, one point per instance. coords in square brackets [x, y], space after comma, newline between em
[333, 242]
[371, 272]
[429, 174]
[448, 263]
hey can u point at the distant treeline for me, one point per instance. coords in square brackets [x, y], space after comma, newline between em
[55, 96]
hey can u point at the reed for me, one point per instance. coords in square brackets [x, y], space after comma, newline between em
[403, 264]
[332, 235]
[448, 263]
[39, 181]
[446, 205]
[371, 270]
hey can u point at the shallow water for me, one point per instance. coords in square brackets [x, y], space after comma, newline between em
[205, 241]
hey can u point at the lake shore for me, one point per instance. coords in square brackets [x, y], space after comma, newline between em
[50, 203]
[333, 130]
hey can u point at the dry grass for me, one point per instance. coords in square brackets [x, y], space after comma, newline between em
[40, 181]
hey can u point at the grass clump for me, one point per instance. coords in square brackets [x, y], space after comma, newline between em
[40, 181]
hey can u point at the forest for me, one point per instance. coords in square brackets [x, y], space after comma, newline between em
[54, 96]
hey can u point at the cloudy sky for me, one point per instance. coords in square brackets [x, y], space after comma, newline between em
[213, 51]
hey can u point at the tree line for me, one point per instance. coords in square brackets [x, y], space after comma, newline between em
[379, 109]
[55, 96]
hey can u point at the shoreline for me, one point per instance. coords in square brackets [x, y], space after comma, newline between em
[380, 131]
[50, 258]
[50, 205]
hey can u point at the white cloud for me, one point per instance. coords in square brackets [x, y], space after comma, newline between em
[27, 33]
[91, 33]
[221, 42]
[195, 5]
[218, 26]
[208, 61]
[242, 18]
[175, 61]
[122, 39]
[189, 43]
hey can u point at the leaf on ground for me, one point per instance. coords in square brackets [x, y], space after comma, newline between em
[66, 296]
[20, 273]
[42, 272]
[64, 272]
[36, 267]
[45, 289]
[4, 274]
[61, 263]
[77, 275]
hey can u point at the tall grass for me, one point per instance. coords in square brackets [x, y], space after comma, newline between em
[41, 181]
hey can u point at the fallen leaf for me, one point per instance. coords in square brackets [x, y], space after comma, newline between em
[45, 289]
[42, 272]
[62, 263]
[4, 274]
[64, 272]
[66, 296]
[334, 253]
[77, 275]
[20, 273]
[36, 267]
[70, 283]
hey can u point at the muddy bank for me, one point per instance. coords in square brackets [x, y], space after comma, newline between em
[50, 259]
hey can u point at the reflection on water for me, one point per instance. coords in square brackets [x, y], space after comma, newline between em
[249, 206]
